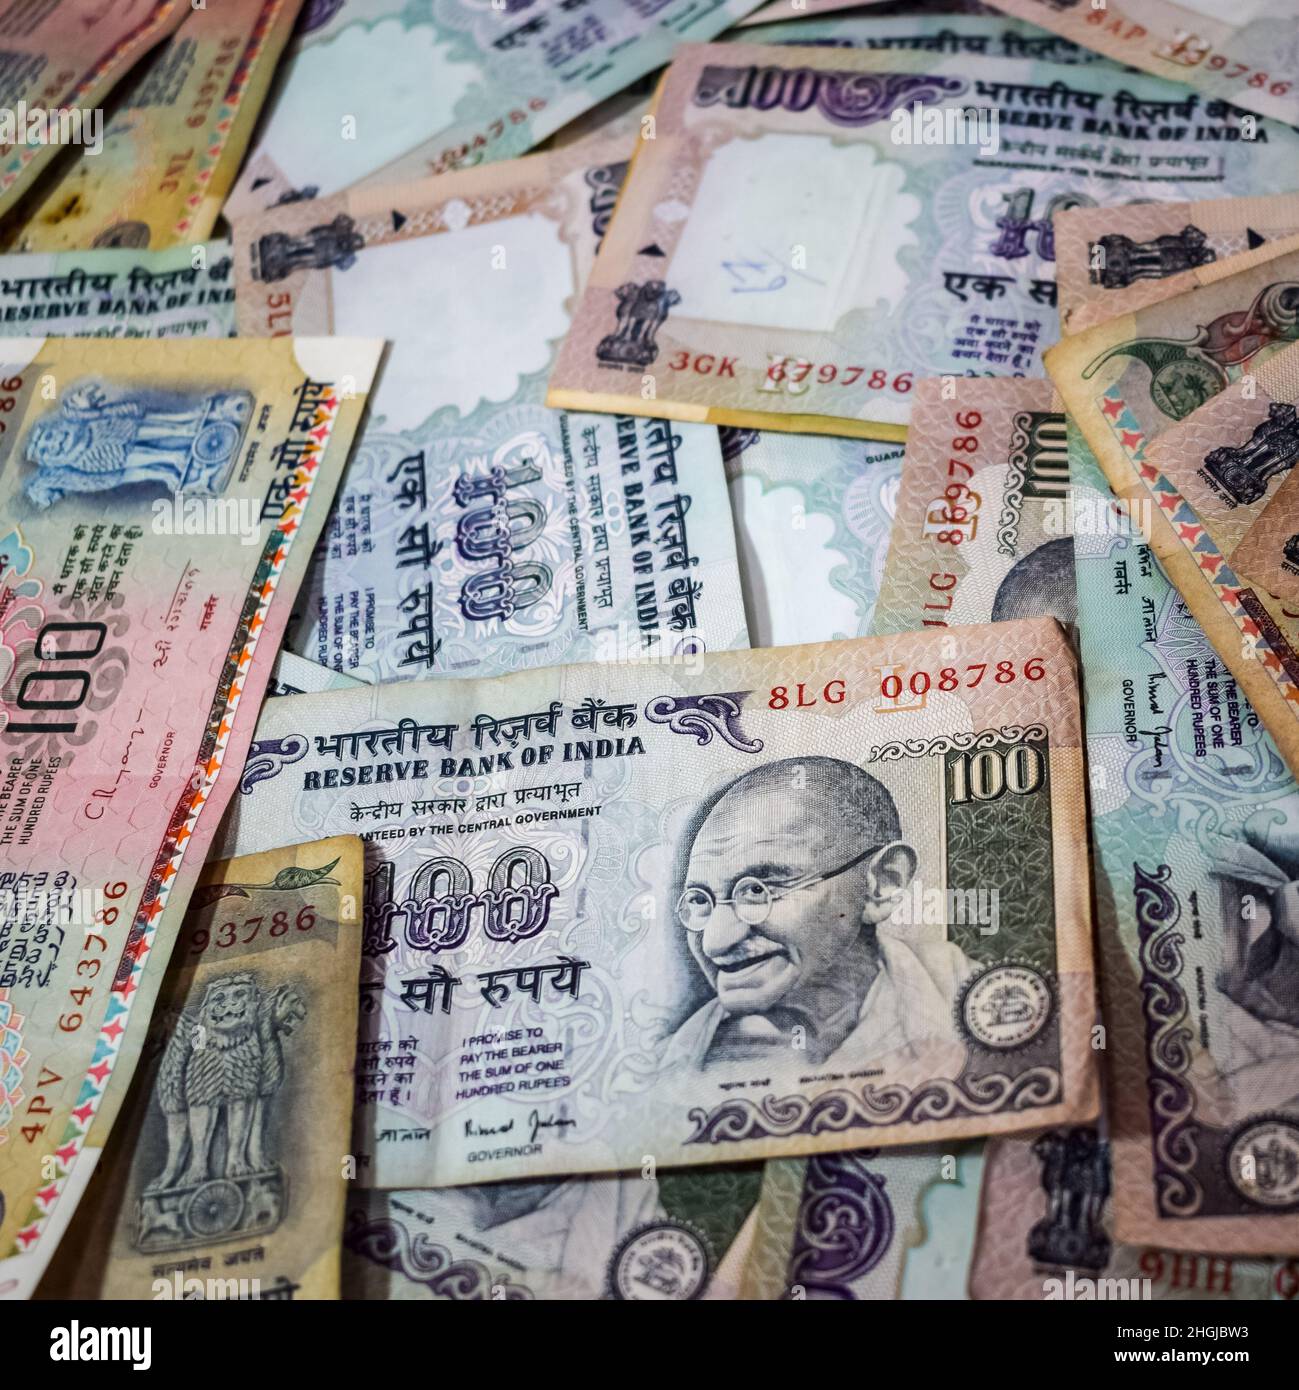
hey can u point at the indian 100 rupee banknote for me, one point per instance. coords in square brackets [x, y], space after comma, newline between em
[935, 30]
[227, 1172]
[1129, 380]
[1195, 823]
[812, 230]
[866, 1226]
[160, 503]
[479, 532]
[982, 35]
[1112, 260]
[58, 63]
[681, 1235]
[1236, 515]
[1246, 52]
[1046, 1232]
[812, 520]
[982, 526]
[386, 90]
[295, 675]
[172, 141]
[750, 905]
[187, 292]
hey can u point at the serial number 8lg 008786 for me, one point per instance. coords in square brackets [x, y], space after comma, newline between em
[949, 678]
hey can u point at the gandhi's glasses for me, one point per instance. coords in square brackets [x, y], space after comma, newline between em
[750, 897]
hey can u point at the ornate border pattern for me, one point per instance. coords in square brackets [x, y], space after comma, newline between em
[423, 1261]
[1012, 499]
[945, 743]
[845, 1225]
[703, 716]
[1174, 1135]
[780, 1117]
[157, 890]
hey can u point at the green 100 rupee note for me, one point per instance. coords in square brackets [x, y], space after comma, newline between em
[1195, 822]
[227, 1172]
[681, 1235]
[812, 230]
[680, 912]
[160, 503]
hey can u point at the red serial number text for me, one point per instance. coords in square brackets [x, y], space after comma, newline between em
[949, 677]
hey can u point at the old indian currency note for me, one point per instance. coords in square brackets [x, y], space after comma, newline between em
[172, 141]
[449, 85]
[1235, 511]
[478, 531]
[1129, 380]
[295, 675]
[58, 62]
[1246, 52]
[866, 1225]
[187, 292]
[683, 1235]
[680, 913]
[160, 503]
[810, 230]
[1112, 260]
[1195, 820]
[985, 35]
[981, 529]
[812, 518]
[226, 1174]
[1046, 1231]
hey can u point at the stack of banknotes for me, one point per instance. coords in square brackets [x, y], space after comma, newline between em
[649, 651]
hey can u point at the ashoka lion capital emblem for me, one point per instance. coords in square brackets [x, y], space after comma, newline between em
[216, 1084]
[92, 443]
[642, 310]
[1243, 474]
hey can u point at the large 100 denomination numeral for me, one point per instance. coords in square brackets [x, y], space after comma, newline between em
[443, 907]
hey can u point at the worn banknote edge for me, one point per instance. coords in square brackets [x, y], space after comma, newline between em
[1065, 363]
[167, 889]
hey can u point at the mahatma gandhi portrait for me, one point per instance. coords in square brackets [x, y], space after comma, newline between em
[1040, 584]
[789, 872]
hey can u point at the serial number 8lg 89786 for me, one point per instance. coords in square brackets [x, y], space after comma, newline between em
[949, 678]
